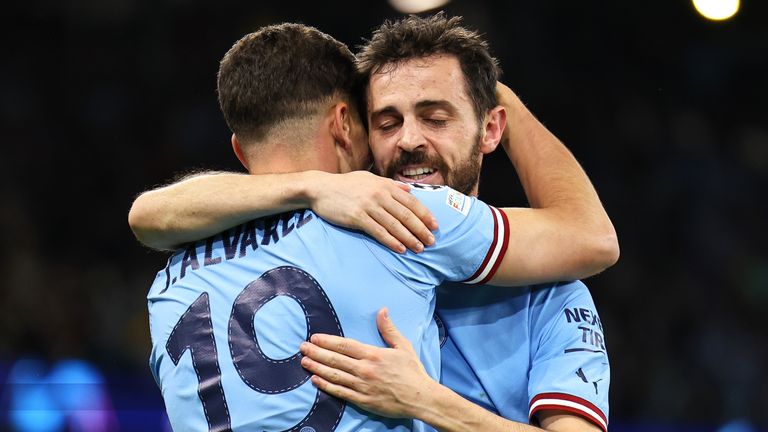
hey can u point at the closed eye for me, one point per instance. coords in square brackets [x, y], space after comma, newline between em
[388, 126]
[437, 122]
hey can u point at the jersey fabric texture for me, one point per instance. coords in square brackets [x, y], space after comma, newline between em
[518, 351]
[227, 314]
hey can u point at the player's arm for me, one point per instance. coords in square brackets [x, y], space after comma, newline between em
[205, 204]
[393, 383]
[566, 234]
[569, 370]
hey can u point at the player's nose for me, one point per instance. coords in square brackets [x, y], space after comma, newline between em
[411, 137]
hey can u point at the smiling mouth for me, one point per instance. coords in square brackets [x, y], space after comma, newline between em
[417, 173]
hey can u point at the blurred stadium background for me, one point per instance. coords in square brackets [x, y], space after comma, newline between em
[666, 110]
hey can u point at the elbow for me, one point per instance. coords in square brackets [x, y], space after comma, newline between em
[606, 249]
[611, 250]
[146, 227]
[135, 218]
[597, 252]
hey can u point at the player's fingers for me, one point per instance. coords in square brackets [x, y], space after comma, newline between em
[403, 186]
[336, 390]
[379, 233]
[340, 345]
[396, 229]
[417, 208]
[328, 358]
[332, 375]
[415, 225]
[389, 332]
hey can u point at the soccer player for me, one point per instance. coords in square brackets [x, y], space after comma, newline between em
[532, 355]
[228, 313]
[536, 354]
[562, 202]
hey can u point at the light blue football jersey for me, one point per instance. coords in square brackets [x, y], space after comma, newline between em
[227, 314]
[520, 351]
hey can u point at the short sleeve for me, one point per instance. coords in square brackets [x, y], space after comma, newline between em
[569, 367]
[469, 244]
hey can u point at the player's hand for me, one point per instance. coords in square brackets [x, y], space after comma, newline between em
[386, 381]
[381, 207]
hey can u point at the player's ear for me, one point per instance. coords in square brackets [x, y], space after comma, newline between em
[239, 151]
[493, 129]
[341, 126]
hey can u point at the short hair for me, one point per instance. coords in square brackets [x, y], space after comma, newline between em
[282, 72]
[413, 37]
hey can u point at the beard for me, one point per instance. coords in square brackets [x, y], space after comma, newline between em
[464, 177]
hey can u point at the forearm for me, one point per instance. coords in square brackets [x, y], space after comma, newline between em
[203, 205]
[561, 194]
[448, 412]
[392, 382]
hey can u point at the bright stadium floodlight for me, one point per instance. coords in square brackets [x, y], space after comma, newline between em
[717, 10]
[416, 6]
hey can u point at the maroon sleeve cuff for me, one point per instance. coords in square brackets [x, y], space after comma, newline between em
[565, 402]
[497, 250]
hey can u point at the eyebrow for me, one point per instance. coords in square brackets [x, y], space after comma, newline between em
[442, 103]
[389, 109]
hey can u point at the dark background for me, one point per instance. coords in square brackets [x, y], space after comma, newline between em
[100, 100]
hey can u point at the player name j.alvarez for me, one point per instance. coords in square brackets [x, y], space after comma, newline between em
[237, 242]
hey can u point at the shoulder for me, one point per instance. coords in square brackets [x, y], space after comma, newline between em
[453, 209]
[559, 295]
[442, 198]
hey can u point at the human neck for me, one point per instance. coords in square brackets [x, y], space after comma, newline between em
[276, 158]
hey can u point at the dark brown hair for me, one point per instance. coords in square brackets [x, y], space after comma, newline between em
[282, 72]
[395, 42]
